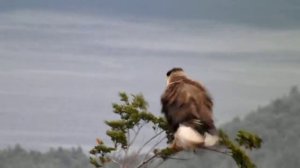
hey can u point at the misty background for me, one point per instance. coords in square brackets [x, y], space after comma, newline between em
[62, 63]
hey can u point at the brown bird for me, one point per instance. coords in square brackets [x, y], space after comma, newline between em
[187, 106]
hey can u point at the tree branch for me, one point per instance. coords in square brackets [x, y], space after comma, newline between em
[216, 150]
[147, 161]
[152, 148]
[136, 134]
[147, 142]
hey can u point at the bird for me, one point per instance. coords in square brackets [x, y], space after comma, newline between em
[188, 109]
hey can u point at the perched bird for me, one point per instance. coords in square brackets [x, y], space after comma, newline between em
[187, 106]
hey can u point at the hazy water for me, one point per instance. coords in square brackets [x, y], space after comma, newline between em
[59, 75]
[66, 105]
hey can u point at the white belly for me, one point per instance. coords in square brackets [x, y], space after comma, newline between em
[188, 138]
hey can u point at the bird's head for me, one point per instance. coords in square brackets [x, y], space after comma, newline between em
[174, 74]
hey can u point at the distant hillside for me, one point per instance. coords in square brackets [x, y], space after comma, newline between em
[278, 125]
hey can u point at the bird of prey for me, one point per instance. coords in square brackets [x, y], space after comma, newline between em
[187, 106]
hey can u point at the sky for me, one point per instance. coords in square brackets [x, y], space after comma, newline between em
[62, 63]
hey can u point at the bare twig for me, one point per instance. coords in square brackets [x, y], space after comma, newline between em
[156, 155]
[147, 161]
[147, 142]
[152, 148]
[136, 133]
[159, 164]
[124, 162]
[216, 150]
[119, 164]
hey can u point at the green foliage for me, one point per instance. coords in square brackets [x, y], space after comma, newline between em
[101, 148]
[133, 114]
[248, 140]
[238, 154]
[118, 137]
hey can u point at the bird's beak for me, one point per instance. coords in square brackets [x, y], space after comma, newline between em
[167, 79]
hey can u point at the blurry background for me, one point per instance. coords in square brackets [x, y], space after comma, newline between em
[63, 62]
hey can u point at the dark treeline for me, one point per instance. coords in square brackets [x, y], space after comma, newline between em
[277, 123]
[17, 157]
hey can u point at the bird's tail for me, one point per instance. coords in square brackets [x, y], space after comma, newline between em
[188, 138]
[211, 139]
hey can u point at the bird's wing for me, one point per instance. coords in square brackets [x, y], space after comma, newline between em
[185, 101]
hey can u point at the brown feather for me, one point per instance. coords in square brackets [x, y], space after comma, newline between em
[185, 101]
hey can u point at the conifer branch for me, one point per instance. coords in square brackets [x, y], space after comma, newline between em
[134, 116]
